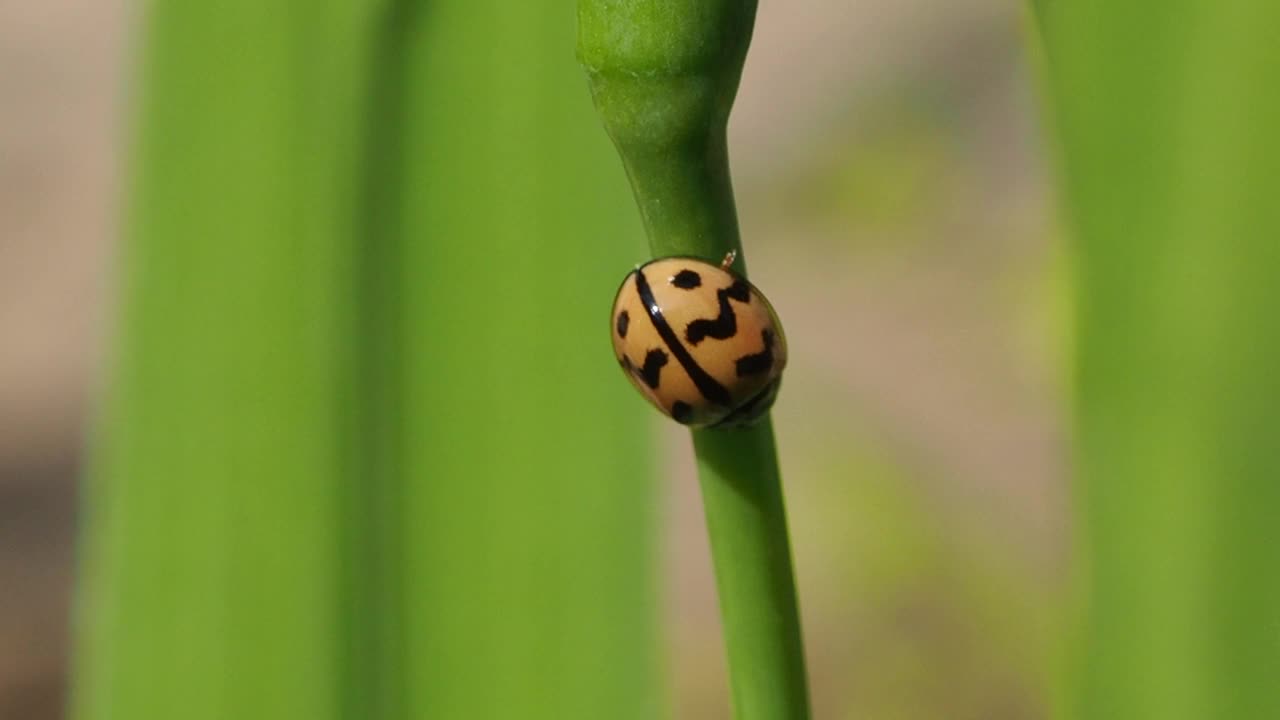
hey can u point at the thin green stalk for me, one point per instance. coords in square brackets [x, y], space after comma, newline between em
[664, 76]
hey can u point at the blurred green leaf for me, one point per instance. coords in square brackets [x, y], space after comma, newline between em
[363, 451]
[1169, 116]
[528, 502]
[211, 579]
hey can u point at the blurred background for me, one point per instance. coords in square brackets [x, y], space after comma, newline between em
[895, 205]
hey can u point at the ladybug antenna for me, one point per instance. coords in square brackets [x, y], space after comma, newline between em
[729, 257]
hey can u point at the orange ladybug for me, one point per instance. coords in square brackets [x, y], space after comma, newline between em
[699, 341]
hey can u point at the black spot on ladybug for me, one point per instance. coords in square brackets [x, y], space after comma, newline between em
[760, 362]
[651, 373]
[687, 280]
[624, 320]
[681, 412]
[625, 362]
[707, 385]
[725, 325]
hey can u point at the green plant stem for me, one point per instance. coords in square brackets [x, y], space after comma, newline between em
[664, 76]
[742, 496]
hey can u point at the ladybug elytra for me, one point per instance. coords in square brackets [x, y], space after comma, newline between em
[699, 341]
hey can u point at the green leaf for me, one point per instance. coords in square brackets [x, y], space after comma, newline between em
[1169, 118]
[363, 450]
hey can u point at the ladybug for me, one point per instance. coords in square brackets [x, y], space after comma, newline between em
[699, 341]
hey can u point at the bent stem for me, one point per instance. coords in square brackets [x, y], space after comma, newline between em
[664, 75]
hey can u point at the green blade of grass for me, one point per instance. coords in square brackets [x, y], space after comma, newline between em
[1168, 115]
[211, 579]
[527, 506]
[664, 76]
[365, 454]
